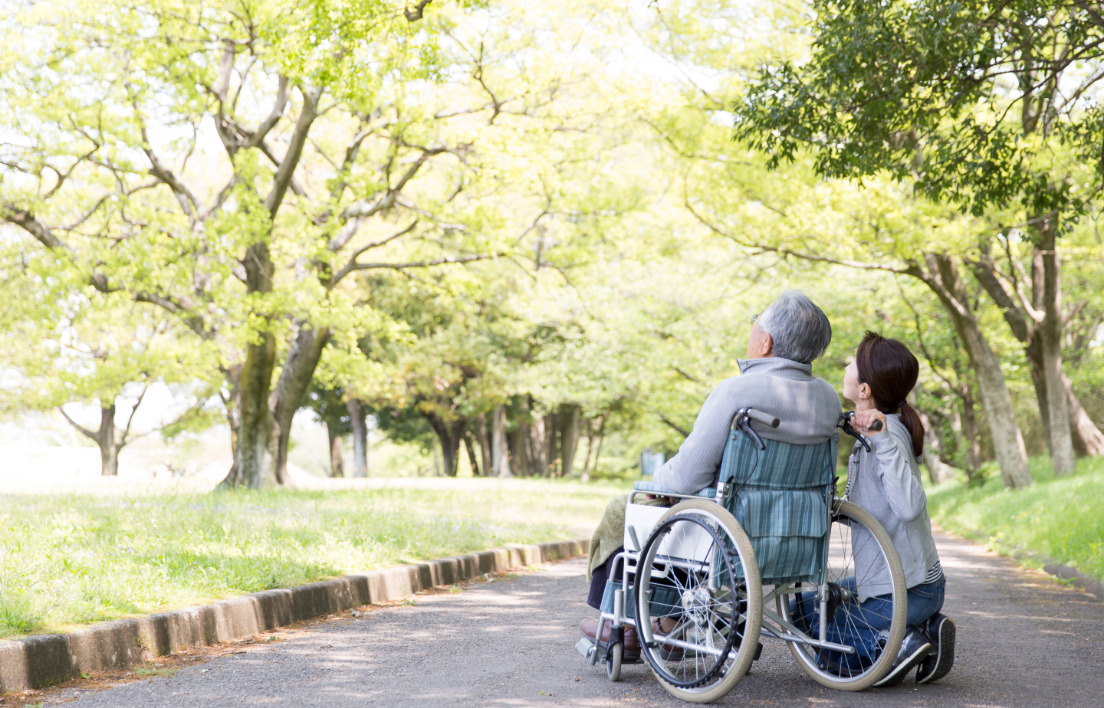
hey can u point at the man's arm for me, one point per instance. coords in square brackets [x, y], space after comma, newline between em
[696, 463]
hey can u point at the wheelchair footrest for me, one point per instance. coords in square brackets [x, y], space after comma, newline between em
[585, 647]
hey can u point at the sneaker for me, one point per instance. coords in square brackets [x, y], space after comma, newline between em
[589, 628]
[914, 649]
[938, 663]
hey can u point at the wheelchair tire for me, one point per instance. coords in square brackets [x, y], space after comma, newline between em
[846, 517]
[614, 656]
[715, 595]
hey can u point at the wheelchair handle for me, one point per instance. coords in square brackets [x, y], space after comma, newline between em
[845, 424]
[745, 413]
[847, 416]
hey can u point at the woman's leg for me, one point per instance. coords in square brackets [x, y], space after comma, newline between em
[924, 601]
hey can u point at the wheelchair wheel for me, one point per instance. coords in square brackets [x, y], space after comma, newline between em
[698, 580]
[854, 531]
[614, 656]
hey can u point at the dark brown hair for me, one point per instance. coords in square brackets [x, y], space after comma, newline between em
[890, 370]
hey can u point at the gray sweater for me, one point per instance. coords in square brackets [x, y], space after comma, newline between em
[886, 482]
[807, 407]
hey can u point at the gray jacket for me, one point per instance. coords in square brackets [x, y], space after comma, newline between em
[886, 482]
[807, 407]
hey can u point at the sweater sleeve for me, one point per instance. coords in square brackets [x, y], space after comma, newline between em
[695, 464]
[900, 477]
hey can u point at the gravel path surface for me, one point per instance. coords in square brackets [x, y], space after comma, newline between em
[1023, 640]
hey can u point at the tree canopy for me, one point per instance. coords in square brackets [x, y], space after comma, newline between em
[519, 230]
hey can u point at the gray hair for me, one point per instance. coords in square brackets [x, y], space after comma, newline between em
[799, 330]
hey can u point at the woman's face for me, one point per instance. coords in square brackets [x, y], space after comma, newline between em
[851, 385]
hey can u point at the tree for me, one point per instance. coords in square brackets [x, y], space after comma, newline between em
[69, 347]
[989, 107]
[250, 248]
[329, 406]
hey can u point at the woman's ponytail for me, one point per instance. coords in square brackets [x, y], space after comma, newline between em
[915, 426]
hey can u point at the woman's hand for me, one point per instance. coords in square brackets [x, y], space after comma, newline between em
[864, 419]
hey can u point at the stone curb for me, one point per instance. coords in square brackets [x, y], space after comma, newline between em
[47, 659]
[1089, 584]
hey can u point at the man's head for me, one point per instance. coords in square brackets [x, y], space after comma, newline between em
[791, 327]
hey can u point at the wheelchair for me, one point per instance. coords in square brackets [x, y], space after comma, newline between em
[705, 580]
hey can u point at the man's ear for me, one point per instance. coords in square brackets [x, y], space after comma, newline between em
[766, 344]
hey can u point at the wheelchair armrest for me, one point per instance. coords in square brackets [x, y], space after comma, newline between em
[655, 489]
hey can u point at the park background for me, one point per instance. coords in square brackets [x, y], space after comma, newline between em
[276, 274]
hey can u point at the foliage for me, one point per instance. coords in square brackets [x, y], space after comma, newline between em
[506, 203]
[966, 97]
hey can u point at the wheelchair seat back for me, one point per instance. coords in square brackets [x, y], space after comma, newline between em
[782, 497]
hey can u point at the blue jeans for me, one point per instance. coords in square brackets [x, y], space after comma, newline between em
[861, 624]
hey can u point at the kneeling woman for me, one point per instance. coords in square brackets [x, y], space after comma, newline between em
[885, 481]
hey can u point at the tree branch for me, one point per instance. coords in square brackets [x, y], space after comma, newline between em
[274, 115]
[83, 431]
[130, 419]
[413, 14]
[448, 260]
[287, 167]
[859, 265]
[351, 265]
[25, 220]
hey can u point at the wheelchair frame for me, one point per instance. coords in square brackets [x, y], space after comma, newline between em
[699, 558]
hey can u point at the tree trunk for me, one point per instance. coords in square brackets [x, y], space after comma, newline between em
[254, 465]
[584, 475]
[337, 460]
[518, 444]
[295, 377]
[1008, 446]
[1087, 438]
[593, 435]
[469, 446]
[501, 465]
[484, 444]
[970, 430]
[535, 441]
[938, 471]
[358, 420]
[449, 434]
[548, 445]
[1058, 414]
[569, 437]
[109, 448]
[1042, 345]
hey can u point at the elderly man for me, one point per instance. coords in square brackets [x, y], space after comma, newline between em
[777, 379]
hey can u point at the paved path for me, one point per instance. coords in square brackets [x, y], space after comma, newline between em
[1024, 640]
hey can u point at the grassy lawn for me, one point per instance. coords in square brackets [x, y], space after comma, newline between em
[77, 559]
[1059, 519]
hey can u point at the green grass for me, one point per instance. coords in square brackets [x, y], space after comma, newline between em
[1056, 519]
[73, 560]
